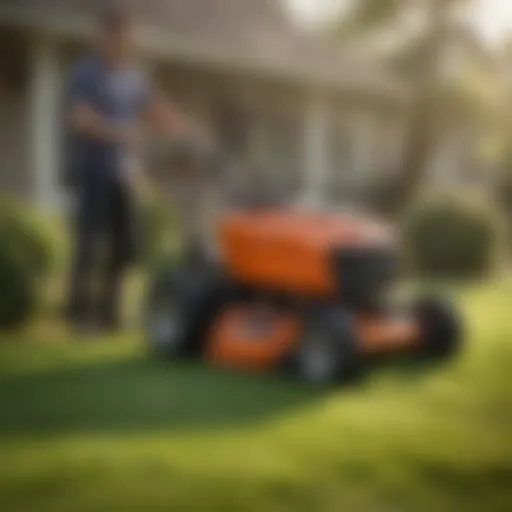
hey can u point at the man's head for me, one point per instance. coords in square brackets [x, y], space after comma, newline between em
[117, 28]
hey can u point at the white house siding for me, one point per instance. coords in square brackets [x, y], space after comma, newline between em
[277, 150]
[260, 123]
[301, 140]
[457, 160]
[304, 142]
[317, 161]
[365, 144]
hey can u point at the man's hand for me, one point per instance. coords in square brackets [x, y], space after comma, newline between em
[166, 118]
[86, 120]
[130, 136]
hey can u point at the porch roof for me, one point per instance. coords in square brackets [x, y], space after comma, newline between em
[252, 36]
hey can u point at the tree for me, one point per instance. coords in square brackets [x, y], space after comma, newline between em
[434, 19]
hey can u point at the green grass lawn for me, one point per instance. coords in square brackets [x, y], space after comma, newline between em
[98, 426]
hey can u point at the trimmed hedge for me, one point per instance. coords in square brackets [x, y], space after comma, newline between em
[18, 292]
[25, 237]
[157, 232]
[453, 235]
[27, 257]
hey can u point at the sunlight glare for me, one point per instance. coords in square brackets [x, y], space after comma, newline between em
[492, 17]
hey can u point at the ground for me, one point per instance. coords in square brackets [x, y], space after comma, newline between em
[100, 427]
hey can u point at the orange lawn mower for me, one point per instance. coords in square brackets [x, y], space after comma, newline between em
[304, 292]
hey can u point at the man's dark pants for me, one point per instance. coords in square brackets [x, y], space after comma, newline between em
[103, 229]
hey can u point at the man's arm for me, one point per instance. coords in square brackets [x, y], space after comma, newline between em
[165, 116]
[86, 120]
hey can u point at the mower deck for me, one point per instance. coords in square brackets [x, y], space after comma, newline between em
[258, 338]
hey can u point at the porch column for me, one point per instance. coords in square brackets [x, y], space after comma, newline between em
[364, 148]
[45, 91]
[316, 150]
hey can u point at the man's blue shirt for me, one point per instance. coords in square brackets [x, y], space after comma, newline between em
[120, 96]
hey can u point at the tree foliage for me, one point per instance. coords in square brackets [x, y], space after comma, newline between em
[423, 55]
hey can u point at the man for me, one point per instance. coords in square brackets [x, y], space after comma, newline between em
[109, 96]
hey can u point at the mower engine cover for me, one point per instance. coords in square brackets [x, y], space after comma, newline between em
[309, 253]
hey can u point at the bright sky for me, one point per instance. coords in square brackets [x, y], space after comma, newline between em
[493, 17]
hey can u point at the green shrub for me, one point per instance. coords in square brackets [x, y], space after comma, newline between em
[157, 236]
[453, 236]
[27, 258]
[18, 292]
[26, 238]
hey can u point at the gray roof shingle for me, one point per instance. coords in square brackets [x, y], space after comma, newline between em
[257, 33]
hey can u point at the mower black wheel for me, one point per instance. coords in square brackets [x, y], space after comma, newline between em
[440, 328]
[181, 306]
[328, 351]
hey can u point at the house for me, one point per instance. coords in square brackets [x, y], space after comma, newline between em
[287, 102]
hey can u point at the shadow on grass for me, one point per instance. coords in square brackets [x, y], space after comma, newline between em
[140, 394]
[406, 367]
